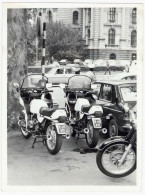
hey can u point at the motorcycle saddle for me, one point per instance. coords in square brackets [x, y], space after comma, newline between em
[46, 111]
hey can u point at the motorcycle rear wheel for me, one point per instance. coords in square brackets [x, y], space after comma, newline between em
[25, 134]
[53, 140]
[108, 165]
[93, 135]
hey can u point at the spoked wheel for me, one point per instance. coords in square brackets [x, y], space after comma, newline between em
[22, 125]
[113, 128]
[53, 140]
[92, 136]
[108, 160]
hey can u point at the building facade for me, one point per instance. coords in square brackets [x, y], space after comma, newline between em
[109, 33]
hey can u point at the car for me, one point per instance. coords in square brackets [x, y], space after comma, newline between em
[116, 98]
[78, 61]
[64, 62]
[124, 76]
[87, 61]
[60, 74]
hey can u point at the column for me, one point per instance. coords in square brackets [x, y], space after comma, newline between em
[91, 29]
[101, 22]
[84, 21]
[123, 23]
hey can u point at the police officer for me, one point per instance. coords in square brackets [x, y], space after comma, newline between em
[91, 73]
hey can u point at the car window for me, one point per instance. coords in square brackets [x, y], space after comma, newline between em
[129, 93]
[106, 92]
[68, 71]
[59, 71]
[129, 78]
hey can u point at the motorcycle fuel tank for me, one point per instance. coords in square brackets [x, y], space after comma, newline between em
[81, 102]
[36, 104]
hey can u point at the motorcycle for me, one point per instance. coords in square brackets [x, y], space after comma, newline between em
[116, 157]
[84, 115]
[38, 117]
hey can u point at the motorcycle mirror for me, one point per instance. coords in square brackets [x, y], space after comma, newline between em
[62, 86]
[16, 85]
[48, 85]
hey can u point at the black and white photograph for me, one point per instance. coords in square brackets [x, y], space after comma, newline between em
[74, 96]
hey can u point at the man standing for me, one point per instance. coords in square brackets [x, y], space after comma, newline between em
[108, 68]
[91, 73]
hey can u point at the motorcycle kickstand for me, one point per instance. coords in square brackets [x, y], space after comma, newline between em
[44, 142]
[34, 142]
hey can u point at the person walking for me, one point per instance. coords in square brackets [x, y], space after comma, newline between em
[108, 68]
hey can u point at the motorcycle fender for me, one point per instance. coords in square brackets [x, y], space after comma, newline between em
[115, 139]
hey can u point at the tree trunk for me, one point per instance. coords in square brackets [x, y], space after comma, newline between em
[16, 58]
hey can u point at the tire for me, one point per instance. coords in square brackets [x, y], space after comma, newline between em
[111, 171]
[92, 136]
[112, 128]
[53, 145]
[25, 134]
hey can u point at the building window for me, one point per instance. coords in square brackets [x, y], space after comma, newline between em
[134, 14]
[50, 16]
[112, 56]
[88, 33]
[89, 15]
[133, 38]
[111, 37]
[75, 17]
[112, 13]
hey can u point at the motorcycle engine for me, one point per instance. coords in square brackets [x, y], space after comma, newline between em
[33, 124]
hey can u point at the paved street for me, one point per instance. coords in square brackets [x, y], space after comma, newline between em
[28, 166]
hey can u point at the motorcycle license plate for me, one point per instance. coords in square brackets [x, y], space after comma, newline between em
[97, 123]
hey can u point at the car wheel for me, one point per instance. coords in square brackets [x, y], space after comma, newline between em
[112, 128]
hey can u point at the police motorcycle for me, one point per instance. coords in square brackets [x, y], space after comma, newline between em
[84, 115]
[38, 117]
[116, 157]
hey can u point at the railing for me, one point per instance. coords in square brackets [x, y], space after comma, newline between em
[111, 45]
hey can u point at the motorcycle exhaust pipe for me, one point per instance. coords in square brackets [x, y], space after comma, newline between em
[104, 130]
[86, 130]
[67, 136]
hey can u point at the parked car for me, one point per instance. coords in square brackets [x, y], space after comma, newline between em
[78, 61]
[124, 76]
[116, 98]
[60, 74]
[64, 62]
[87, 61]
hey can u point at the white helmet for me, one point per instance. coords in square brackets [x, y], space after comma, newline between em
[76, 68]
[91, 65]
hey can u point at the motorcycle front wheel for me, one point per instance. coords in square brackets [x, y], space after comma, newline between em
[107, 160]
[53, 140]
[92, 136]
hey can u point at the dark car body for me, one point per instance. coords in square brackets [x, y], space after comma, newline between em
[115, 97]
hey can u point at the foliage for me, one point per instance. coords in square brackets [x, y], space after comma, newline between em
[63, 42]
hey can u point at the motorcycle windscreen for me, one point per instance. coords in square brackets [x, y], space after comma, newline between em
[34, 81]
[79, 82]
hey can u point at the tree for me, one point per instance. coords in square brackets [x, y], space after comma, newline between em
[16, 58]
[62, 41]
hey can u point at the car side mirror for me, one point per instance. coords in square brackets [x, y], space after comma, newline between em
[16, 86]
